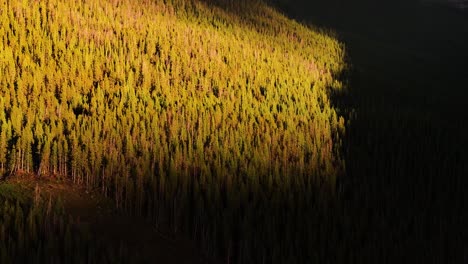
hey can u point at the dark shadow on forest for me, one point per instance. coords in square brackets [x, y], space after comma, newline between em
[405, 146]
[402, 198]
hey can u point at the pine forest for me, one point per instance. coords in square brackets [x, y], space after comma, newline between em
[212, 119]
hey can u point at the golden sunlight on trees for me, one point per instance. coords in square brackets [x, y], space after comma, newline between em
[201, 118]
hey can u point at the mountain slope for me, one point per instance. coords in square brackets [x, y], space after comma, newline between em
[211, 118]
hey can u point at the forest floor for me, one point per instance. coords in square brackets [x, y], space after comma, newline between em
[92, 211]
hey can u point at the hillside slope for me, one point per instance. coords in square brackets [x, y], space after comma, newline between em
[211, 118]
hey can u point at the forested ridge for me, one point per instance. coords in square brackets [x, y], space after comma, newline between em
[211, 118]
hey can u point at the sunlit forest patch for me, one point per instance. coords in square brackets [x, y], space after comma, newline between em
[211, 118]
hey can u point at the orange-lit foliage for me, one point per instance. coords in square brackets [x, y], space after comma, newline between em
[206, 117]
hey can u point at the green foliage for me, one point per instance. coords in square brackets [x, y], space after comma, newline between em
[210, 117]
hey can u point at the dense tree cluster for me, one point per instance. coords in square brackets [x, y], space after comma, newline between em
[212, 118]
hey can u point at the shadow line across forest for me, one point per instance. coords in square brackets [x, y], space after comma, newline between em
[402, 197]
[405, 145]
